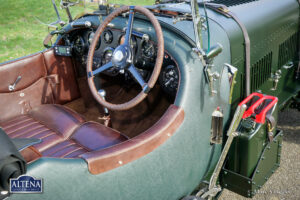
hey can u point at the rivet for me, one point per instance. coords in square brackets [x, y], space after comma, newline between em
[169, 135]
[22, 94]
[120, 162]
[225, 185]
[225, 172]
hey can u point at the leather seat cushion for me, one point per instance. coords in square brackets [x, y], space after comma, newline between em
[88, 137]
[51, 123]
[94, 136]
[58, 118]
[25, 127]
[64, 133]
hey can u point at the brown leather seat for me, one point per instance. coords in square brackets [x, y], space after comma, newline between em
[64, 133]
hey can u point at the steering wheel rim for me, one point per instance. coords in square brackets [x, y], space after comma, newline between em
[146, 87]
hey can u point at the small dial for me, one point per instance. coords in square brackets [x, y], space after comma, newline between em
[108, 37]
[79, 45]
[169, 79]
[148, 49]
[107, 55]
[90, 39]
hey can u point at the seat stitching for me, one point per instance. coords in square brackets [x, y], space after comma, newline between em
[40, 132]
[85, 148]
[51, 133]
[61, 148]
[68, 153]
[52, 129]
[76, 155]
[16, 120]
[40, 125]
[34, 128]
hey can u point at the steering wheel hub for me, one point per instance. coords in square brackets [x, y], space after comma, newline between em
[122, 57]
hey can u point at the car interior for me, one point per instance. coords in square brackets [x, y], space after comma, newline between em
[47, 96]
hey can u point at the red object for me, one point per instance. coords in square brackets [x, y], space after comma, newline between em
[261, 116]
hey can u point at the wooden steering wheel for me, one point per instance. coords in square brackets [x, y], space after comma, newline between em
[122, 58]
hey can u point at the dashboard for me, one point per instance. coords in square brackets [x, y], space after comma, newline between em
[144, 50]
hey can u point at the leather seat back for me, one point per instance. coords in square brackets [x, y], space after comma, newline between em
[45, 79]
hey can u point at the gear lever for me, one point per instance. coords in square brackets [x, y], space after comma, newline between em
[106, 117]
[102, 93]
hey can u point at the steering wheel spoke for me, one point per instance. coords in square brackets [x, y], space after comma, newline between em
[101, 69]
[137, 76]
[129, 26]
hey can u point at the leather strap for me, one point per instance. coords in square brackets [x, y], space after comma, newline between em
[271, 120]
[53, 79]
[222, 9]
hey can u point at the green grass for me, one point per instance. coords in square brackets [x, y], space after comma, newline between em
[20, 32]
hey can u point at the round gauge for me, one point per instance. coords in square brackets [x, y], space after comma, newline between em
[169, 79]
[148, 49]
[133, 41]
[108, 37]
[91, 37]
[107, 55]
[79, 45]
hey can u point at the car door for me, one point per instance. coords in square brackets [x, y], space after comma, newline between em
[41, 78]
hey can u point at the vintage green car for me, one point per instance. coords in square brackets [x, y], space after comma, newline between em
[176, 100]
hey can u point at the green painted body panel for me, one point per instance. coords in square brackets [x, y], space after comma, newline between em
[269, 23]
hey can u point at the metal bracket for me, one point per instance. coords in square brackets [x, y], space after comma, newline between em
[180, 18]
[275, 78]
[197, 22]
[211, 78]
[233, 71]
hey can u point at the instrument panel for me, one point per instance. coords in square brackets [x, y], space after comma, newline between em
[144, 51]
